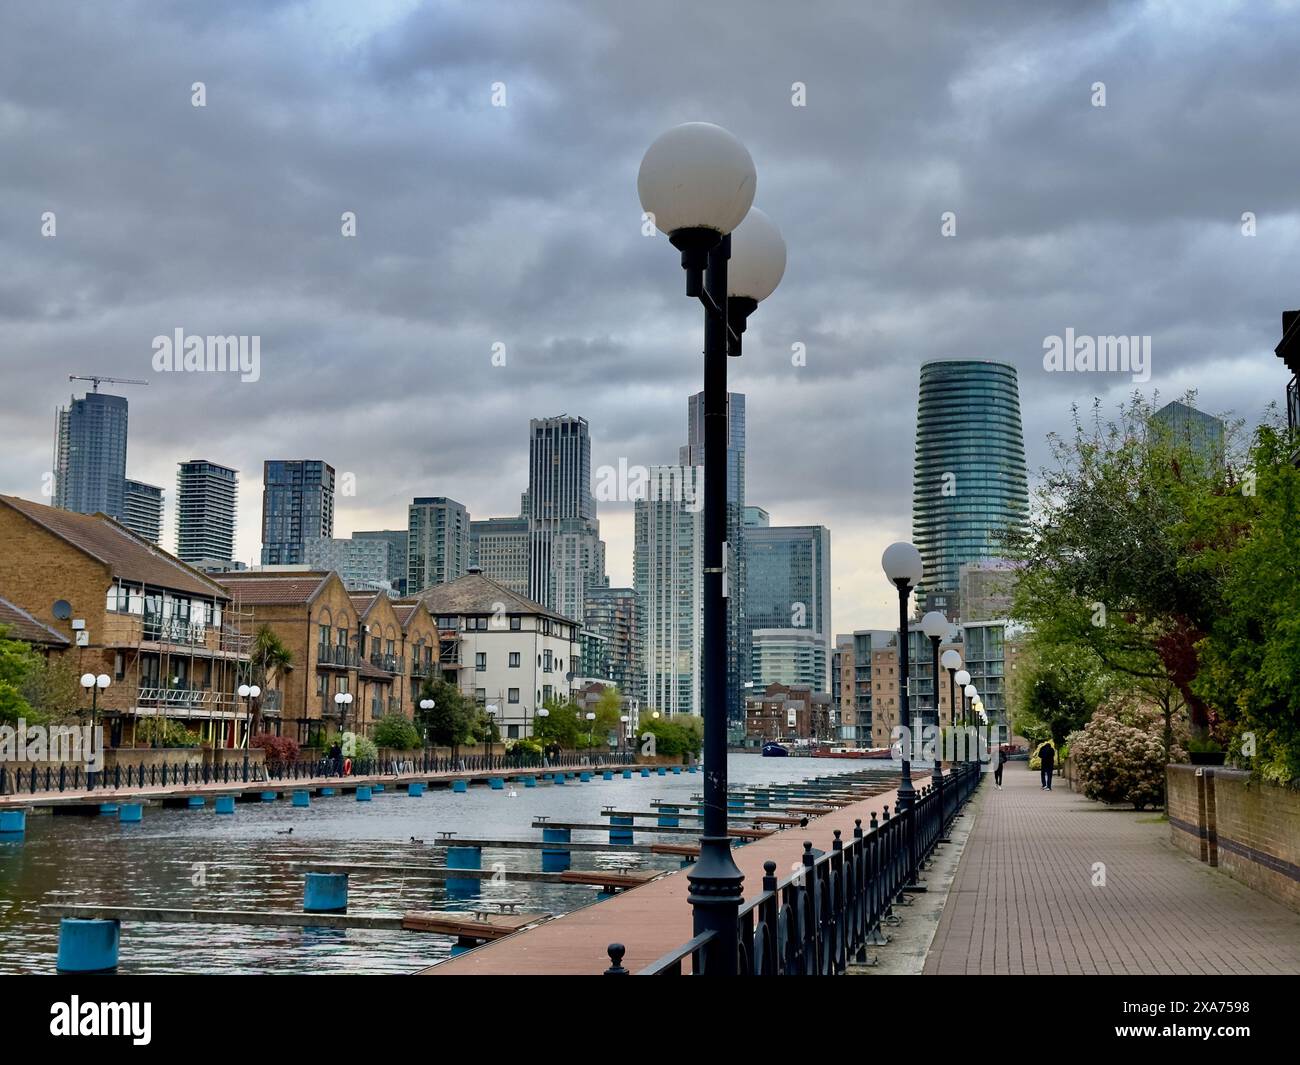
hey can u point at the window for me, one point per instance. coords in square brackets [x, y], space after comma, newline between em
[515, 623]
[343, 637]
[119, 666]
[480, 660]
[514, 659]
[322, 684]
[546, 661]
[512, 695]
[480, 695]
[546, 693]
[342, 684]
[323, 637]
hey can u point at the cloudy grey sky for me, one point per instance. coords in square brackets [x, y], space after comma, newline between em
[520, 225]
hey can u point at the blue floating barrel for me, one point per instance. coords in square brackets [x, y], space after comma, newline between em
[548, 776]
[458, 948]
[13, 822]
[195, 802]
[645, 771]
[415, 788]
[668, 817]
[225, 804]
[584, 777]
[460, 786]
[620, 830]
[691, 768]
[559, 778]
[555, 859]
[130, 812]
[269, 796]
[88, 946]
[530, 782]
[607, 775]
[496, 783]
[326, 792]
[363, 794]
[627, 774]
[661, 771]
[302, 798]
[463, 858]
[108, 807]
[376, 787]
[677, 770]
[325, 893]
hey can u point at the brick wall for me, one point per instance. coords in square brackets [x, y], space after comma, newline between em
[1249, 830]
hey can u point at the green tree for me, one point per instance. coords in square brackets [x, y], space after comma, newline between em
[394, 730]
[451, 721]
[268, 659]
[18, 663]
[1251, 654]
[1112, 562]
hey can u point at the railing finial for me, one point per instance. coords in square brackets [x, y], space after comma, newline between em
[616, 952]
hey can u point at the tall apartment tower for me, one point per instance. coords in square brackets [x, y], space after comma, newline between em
[142, 510]
[396, 539]
[669, 584]
[206, 498]
[90, 455]
[499, 547]
[437, 542]
[297, 508]
[612, 614]
[788, 598]
[566, 556]
[738, 643]
[969, 485]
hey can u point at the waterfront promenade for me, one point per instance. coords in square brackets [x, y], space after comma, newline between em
[213, 788]
[1024, 899]
[656, 918]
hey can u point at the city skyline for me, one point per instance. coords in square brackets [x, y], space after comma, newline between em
[598, 326]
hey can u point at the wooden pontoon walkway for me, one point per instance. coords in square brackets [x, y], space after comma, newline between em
[650, 920]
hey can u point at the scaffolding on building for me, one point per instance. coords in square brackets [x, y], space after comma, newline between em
[185, 670]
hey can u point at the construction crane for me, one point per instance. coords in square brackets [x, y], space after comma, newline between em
[111, 380]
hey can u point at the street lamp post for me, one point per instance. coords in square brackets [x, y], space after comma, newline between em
[591, 718]
[342, 700]
[971, 694]
[95, 684]
[951, 661]
[625, 735]
[936, 626]
[697, 184]
[902, 565]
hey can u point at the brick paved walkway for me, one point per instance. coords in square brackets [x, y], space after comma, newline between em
[1023, 899]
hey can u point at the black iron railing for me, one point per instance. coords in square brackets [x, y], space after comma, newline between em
[831, 910]
[66, 778]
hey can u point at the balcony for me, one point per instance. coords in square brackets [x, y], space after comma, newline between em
[1293, 404]
[161, 629]
[420, 670]
[336, 655]
[390, 663]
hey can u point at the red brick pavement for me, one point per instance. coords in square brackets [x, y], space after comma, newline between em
[1023, 900]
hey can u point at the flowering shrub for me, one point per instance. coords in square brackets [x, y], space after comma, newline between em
[280, 750]
[1119, 756]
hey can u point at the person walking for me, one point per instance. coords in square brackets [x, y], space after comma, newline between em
[1047, 759]
[997, 772]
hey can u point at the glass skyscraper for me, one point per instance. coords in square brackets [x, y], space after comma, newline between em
[969, 484]
[297, 508]
[788, 590]
[90, 456]
[566, 556]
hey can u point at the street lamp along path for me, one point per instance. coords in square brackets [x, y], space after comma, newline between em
[697, 182]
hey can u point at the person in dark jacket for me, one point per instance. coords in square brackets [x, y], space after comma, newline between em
[336, 760]
[1047, 756]
[997, 771]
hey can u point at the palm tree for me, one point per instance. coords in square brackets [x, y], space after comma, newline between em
[268, 658]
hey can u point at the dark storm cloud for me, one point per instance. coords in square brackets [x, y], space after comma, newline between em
[480, 225]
